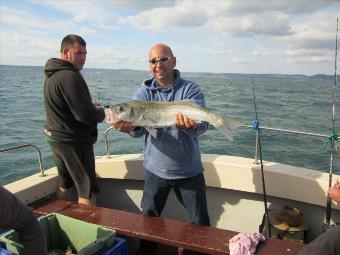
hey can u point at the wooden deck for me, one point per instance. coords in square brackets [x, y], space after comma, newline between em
[167, 232]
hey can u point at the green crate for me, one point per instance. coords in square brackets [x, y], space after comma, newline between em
[62, 231]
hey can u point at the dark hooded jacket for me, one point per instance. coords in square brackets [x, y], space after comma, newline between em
[71, 116]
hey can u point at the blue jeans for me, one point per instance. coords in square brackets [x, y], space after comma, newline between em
[191, 193]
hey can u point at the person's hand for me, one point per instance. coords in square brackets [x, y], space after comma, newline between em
[184, 122]
[334, 192]
[337, 184]
[97, 105]
[124, 126]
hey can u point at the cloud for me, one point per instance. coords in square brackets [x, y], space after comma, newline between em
[251, 25]
[86, 31]
[24, 49]
[21, 18]
[142, 4]
[30, 23]
[245, 7]
[309, 55]
[313, 39]
[262, 52]
[80, 17]
[91, 11]
[118, 58]
[228, 55]
[236, 18]
[161, 18]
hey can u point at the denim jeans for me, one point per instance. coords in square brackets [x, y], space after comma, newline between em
[191, 193]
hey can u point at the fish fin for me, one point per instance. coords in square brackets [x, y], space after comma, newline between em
[143, 118]
[227, 127]
[152, 131]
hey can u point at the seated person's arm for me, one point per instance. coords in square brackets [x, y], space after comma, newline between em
[16, 215]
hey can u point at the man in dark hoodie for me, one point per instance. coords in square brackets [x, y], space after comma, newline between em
[71, 120]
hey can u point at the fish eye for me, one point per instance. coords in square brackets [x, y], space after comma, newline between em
[120, 108]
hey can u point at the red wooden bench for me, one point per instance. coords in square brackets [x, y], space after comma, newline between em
[164, 231]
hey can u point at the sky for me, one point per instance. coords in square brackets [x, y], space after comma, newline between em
[244, 36]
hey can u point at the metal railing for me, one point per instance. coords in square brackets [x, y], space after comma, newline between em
[41, 165]
[257, 156]
[106, 143]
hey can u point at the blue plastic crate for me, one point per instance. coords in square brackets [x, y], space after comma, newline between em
[4, 251]
[119, 248]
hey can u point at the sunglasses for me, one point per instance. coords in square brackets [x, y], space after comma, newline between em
[155, 61]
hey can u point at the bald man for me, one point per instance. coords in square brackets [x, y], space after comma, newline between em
[172, 159]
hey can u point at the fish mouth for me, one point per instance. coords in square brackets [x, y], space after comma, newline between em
[111, 116]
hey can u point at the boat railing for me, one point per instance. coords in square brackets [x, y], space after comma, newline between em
[106, 142]
[257, 152]
[41, 165]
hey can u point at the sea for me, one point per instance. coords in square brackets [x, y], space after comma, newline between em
[294, 102]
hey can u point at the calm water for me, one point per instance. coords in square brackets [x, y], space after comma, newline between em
[288, 102]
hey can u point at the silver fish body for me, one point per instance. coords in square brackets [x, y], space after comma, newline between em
[163, 114]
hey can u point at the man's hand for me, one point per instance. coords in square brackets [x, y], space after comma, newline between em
[97, 105]
[184, 122]
[124, 126]
[334, 192]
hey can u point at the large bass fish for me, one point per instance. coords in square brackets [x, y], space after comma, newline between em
[157, 114]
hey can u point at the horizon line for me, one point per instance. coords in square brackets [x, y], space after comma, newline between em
[198, 72]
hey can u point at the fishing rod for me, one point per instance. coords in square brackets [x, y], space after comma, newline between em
[331, 140]
[256, 127]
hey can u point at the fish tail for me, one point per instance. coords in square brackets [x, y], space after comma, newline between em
[226, 125]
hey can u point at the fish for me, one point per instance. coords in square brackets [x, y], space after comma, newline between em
[159, 114]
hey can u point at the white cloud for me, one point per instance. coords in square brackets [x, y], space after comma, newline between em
[186, 14]
[107, 57]
[240, 60]
[86, 31]
[224, 35]
[262, 52]
[25, 49]
[309, 55]
[21, 18]
[280, 6]
[227, 55]
[237, 18]
[80, 17]
[91, 11]
[313, 39]
[29, 22]
[142, 4]
[251, 25]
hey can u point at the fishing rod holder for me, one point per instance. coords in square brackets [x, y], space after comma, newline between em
[106, 142]
[41, 165]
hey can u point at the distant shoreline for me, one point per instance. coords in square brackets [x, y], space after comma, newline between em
[210, 74]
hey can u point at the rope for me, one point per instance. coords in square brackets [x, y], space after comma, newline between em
[330, 139]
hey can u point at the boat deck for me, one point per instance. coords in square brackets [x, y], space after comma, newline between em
[172, 235]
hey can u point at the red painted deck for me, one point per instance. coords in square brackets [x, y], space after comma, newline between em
[164, 231]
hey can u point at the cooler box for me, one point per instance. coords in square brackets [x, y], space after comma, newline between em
[63, 232]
